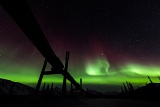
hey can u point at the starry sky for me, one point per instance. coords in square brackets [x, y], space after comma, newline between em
[110, 42]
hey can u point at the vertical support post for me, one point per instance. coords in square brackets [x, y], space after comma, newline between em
[81, 84]
[51, 90]
[44, 88]
[40, 77]
[64, 90]
[47, 90]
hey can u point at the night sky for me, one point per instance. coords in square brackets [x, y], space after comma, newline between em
[110, 42]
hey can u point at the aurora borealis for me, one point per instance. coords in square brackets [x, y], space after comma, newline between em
[110, 42]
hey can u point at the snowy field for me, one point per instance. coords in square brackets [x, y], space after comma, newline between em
[74, 102]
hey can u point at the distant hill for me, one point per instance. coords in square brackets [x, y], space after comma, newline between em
[14, 88]
[151, 90]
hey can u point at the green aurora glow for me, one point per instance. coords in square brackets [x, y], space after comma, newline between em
[98, 66]
[97, 71]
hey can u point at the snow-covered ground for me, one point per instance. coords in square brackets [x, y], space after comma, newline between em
[77, 102]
